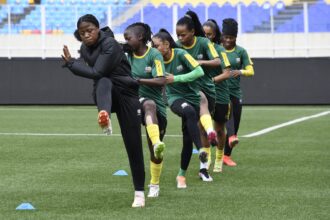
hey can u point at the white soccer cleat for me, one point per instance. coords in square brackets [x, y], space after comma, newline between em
[107, 130]
[204, 175]
[139, 200]
[153, 191]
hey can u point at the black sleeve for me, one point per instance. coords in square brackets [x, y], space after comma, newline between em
[107, 61]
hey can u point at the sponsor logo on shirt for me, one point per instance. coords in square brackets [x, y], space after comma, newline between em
[200, 56]
[179, 68]
[238, 60]
[148, 69]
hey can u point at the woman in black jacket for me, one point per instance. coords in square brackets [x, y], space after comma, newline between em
[104, 61]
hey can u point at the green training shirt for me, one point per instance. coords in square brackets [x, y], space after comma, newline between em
[148, 66]
[203, 49]
[222, 89]
[239, 59]
[182, 62]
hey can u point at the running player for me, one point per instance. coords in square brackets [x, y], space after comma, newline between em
[241, 65]
[222, 101]
[191, 37]
[183, 96]
[148, 68]
[114, 90]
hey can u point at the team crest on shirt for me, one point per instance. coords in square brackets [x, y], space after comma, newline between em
[148, 69]
[179, 68]
[200, 56]
[238, 60]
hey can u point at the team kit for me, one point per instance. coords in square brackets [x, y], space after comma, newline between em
[197, 77]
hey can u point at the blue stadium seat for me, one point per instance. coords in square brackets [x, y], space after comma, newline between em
[219, 13]
[199, 10]
[250, 20]
[160, 17]
[317, 14]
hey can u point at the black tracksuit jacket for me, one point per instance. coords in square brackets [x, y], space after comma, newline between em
[106, 59]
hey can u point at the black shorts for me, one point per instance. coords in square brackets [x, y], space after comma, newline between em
[211, 103]
[221, 113]
[178, 107]
[162, 121]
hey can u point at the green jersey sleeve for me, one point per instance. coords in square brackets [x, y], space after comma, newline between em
[158, 69]
[224, 60]
[246, 61]
[188, 60]
[210, 50]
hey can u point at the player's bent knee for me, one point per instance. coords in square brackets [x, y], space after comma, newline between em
[149, 105]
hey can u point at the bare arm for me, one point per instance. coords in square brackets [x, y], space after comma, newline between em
[158, 81]
[226, 74]
[210, 63]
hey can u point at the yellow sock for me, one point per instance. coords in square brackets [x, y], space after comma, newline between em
[155, 171]
[153, 133]
[206, 122]
[218, 154]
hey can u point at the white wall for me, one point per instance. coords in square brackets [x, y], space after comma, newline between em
[258, 45]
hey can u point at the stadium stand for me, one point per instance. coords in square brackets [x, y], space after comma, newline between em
[61, 15]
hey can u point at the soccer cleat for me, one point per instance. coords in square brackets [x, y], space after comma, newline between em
[104, 122]
[139, 200]
[212, 138]
[159, 150]
[181, 182]
[203, 156]
[228, 161]
[233, 141]
[217, 166]
[204, 175]
[153, 191]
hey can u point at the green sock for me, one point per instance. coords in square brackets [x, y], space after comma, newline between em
[182, 172]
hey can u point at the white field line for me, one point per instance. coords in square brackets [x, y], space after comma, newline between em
[266, 130]
[63, 134]
[245, 108]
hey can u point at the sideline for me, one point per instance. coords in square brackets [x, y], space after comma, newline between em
[266, 130]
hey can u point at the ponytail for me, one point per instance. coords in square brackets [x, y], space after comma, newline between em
[191, 20]
[164, 35]
[215, 27]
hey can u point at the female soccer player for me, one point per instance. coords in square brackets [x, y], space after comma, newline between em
[183, 97]
[241, 65]
[148, 68]
[191, 38]
[222, 101]
[114, 90]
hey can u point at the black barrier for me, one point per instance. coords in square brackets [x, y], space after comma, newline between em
[276, 81]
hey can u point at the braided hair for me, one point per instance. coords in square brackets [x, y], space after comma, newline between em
[142, 29]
